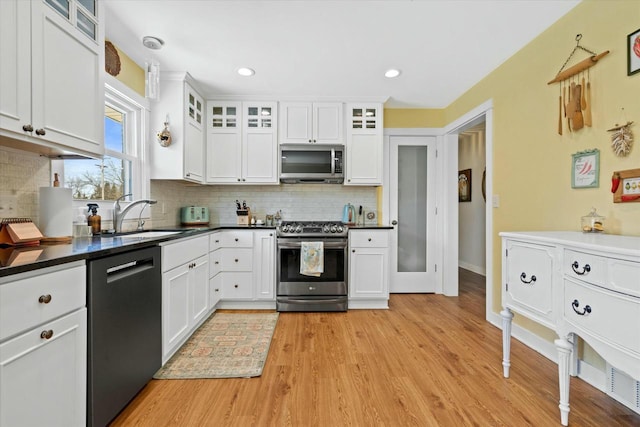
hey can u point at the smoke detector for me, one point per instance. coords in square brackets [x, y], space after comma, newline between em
[152, 42]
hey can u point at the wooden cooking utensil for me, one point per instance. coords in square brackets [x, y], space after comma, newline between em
[560, 115]
[583, 102]
[577, 120]
[587, 109]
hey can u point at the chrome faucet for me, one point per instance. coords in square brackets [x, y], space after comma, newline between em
[119, 214]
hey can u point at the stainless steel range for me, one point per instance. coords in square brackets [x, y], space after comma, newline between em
[328, 291]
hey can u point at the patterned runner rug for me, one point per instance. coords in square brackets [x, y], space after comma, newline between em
[227, 345]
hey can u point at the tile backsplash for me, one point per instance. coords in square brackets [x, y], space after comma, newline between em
[296, 201]
[21, 176]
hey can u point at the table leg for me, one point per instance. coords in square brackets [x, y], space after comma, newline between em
[564, 348]
[507, 317]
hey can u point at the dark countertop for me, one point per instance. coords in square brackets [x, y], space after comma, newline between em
[15, 260]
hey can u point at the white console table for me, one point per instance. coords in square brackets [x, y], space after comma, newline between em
[575, 283]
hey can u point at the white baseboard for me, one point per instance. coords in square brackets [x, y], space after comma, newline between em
[475, 268]
[592, 376]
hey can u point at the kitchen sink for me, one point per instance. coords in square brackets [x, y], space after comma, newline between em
[148, 234]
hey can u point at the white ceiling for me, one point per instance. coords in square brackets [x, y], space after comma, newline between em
[333, 49]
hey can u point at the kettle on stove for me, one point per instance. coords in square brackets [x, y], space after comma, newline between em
[349, 214]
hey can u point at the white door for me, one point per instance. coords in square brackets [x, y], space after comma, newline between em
[412, 204]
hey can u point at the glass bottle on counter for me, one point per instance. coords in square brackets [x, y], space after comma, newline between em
[94, 220]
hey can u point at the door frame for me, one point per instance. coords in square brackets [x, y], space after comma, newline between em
[483, 112]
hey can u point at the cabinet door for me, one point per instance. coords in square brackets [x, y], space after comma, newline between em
[193, 135]
[43, 382]
[364, 144]
[200, 289]
[327, 123]
[176, 299]
[67, 78]
[15, 66]
[237, 285]
[259, 143]
[264, 263]
[224, 142]
[296, 123]
[368, 273]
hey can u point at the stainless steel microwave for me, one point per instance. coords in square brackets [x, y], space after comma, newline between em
[312, 163]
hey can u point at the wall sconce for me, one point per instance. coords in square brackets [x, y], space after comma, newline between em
[152, 79]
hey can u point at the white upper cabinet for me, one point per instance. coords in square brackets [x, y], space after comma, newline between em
[182, 107]
[364, 144]
[311, 123]
[51, 74]
[242, 145]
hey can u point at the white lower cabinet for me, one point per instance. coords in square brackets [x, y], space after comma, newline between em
[368, 268]
[185, 291]
[243, 268]
[43, 352]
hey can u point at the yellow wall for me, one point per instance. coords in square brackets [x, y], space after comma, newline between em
[131, 74]
[413, 118]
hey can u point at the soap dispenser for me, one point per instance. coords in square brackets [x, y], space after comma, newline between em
[94, 219]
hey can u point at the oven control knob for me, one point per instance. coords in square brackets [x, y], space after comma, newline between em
[299, 228]
[340, 229]
[326, 228]
[334, 228]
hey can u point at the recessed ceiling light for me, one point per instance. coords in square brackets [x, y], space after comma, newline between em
[246, 72]
[391, 73]
[152, 42]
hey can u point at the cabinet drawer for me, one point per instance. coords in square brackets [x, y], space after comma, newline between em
[588, 267]
[30, 301]
[236, 239]
[236, 259]
[624, 276]
[528, 279]
[215, 262]
[610, 316]
[183, 251]
[237, 285]
[369, 238]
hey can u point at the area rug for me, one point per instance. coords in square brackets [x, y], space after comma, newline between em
[227, 345]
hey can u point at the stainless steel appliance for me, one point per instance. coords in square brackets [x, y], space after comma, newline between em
[298, 292]
[311, 163]
[124, 300]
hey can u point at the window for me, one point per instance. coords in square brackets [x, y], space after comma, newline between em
[120, 172]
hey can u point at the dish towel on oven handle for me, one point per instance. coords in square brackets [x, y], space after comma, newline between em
[312, 258]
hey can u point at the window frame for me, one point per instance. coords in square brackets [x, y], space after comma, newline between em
[136, 108]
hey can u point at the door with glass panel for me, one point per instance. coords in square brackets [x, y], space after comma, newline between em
[412, 207]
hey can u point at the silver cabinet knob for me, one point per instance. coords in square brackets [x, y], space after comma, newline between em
[394, 222]
[44, 299]
[46, 334]
[27, 128]
[40, 132]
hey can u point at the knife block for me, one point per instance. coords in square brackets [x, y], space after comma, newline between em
[244, 216]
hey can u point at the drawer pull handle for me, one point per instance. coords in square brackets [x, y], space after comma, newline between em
[235, 286]
[585, 269]
[369, 239]
[46, 334]
[236, 239]
[586, 310]
[523, 276]
[44, 299]
[312, 288]
[236, 260]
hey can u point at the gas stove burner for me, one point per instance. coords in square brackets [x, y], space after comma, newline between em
[312, 228]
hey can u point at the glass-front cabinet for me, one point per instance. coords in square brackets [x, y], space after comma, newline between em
[242, 146]
[364, 144]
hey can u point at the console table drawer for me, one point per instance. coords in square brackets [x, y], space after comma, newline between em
[588, 267]
[624, 276]
[608, 316]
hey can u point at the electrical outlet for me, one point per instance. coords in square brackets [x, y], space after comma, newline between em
[8, 206]
[496, 201]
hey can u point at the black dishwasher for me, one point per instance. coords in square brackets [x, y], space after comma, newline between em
[124, 300]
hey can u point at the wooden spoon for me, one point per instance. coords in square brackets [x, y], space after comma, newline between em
[578, 120]
[583, 101]
[587, 109]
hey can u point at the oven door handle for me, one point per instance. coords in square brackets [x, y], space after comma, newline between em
[298, 300]
[296, 245]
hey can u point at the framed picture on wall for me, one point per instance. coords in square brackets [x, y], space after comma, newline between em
[464, 185]
[585, 169]
[633, 52]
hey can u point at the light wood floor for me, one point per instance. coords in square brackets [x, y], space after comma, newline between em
[429, 360]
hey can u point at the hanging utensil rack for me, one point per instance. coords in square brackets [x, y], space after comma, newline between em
[580, 66]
